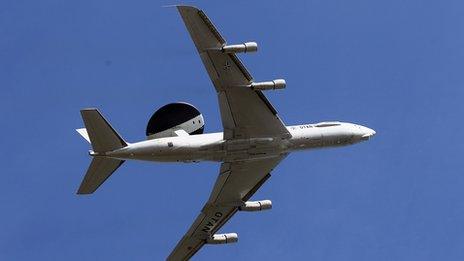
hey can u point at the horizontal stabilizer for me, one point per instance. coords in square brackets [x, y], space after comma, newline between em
[84, 134]
[99, 170]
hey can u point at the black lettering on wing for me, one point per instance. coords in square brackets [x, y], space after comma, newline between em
[212, 222]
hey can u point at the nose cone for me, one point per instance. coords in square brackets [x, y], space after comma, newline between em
[366, 133]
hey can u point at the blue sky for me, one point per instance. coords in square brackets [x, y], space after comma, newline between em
[395, 66]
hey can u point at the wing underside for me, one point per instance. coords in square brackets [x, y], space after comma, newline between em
[236, 183]
[245, 112]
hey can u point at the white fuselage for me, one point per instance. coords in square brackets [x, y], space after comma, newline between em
[213, 147]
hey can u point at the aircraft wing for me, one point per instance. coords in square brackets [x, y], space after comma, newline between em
[236, 183]
[245, 113]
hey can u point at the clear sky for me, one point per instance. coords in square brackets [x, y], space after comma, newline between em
[395, 66]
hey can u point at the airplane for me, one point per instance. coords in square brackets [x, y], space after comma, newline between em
[253, 143]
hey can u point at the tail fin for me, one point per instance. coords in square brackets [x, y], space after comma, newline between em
[103, 138]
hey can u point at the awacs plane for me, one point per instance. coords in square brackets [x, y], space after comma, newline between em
[253, 143]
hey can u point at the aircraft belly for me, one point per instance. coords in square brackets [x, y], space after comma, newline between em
[246, 149]
[188, 154]
[192, 150]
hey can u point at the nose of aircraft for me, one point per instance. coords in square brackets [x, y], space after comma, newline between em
[366, 133]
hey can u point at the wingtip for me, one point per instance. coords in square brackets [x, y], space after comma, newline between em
[182, 7]
[179, 5]
[89, 109]
[82, 192]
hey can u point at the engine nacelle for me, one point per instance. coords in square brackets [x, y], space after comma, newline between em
[240, 48]
[223, 238]
[174, 117]
[270, 85]
[256, 205]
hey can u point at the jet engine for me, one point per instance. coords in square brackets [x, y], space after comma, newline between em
[256, 205]
[175, 119]
[223, 238]
[247, 47]
[270, 85]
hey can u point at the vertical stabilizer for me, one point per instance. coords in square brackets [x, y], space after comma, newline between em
[102, 136]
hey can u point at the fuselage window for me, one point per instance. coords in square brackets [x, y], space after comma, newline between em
[170, 144]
